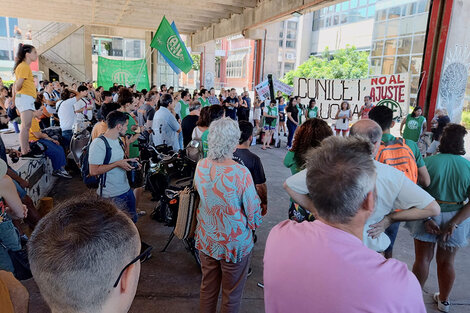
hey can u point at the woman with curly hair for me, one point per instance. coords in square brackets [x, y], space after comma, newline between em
[450, 230]
[309, 135]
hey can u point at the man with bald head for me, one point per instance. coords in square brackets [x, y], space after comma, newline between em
[394, 191]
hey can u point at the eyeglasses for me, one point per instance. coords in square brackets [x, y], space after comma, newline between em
[142, 257]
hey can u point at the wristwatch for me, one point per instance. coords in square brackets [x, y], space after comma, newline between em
[427, 219]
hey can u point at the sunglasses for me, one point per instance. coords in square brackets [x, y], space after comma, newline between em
[142, 257]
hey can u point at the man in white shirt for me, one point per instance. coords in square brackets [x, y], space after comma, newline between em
[394, 191]
[83, 107]
[66, 113]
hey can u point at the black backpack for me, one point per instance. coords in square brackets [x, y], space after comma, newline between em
[94, 182]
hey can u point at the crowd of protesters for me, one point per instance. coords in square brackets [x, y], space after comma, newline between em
[351, 186]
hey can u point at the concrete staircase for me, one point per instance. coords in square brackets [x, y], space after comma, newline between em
[68, 72]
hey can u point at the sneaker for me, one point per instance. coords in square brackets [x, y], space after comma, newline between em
[442, 306]
[62, 173]
[250, 271]
[285, 135]
[31, 154]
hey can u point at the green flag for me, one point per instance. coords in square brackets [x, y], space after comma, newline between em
[122, 72]
[167, 41]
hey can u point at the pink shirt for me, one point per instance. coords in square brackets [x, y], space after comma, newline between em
[313, 267]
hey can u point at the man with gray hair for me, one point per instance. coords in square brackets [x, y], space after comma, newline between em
[323, 266]
[84, 256]
[394, 191]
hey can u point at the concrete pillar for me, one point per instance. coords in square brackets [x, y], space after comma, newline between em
[87, 51]
[270, 59]
[149, 57]
[304, 38]
[208, 63]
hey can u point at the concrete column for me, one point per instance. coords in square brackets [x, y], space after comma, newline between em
[270, 59]
[149, 57]
[208, 70]
[304, 38]
[87, 51]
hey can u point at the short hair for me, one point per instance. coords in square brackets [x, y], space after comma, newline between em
[203, 91]
[105, 94]
[115, 118]
[335, 195]
[382, 115]
[372, 131]
[184, 93]
[216, 111]
[107, 108]
[223, 138]
[204, 117]
[82, 88]
[78, 250]
[151, 95]
[65, 95]
[368, 97]
[161, 86]
[165, 100]
[452, 140]
[194, 105]
[125, 96]
[246, 131]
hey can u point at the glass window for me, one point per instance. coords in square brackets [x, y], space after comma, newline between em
[406, 26]
[371, 11]
[12, 22]
[379, 30]
[336, 20]
[316, 25]
[393, 28]
[390, 47]
[281, 34]
[418, 44]
[281, 43]
[288, 67]
[375, 66]
[420, 23]
[388, 66]
[292, 25]
[290, 44]
[3, 26]
[402, 64]
[416, 62]
[377, 48]
[394, 12]
[117, 47]
[404, 45]
[422, 6]
[381, 15]
[344, 19]
[362, 2]
[328, 21]
[353, 4]
[291, 34]
[338, 7]
[372, 1]
[345, 6]
[414, 85]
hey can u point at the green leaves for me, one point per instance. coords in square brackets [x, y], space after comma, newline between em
[344, 63]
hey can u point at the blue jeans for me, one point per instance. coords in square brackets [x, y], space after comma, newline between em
[291, 127]
[392, 232]
[126, 202]
[11, 240]
[55, 153]
[66, 138]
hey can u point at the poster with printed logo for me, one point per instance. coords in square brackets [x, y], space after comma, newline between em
[389, 90]
[262, 89]
[122, 72]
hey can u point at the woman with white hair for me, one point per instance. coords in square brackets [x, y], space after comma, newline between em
[228, 213]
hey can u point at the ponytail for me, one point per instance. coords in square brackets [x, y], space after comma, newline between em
[21, 54]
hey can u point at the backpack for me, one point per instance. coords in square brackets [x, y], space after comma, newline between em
[94, 182]
[397, 154]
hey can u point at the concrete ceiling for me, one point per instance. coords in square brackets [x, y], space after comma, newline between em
[203, 19]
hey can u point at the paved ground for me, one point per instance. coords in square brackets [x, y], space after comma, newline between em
[170, 281]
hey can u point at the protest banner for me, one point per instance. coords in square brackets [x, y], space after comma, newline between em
[263, 89]
[122, 72]
[390, 90]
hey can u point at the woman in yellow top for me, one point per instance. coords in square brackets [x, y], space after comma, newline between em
[25, 91]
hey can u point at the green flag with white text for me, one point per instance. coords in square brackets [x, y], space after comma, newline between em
[167, 41]
[122, 72]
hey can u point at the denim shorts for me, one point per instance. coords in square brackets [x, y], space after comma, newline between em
[458, 239]
[11, 240]
[24, 102]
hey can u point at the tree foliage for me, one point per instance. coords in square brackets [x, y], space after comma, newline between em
[344, 63]
[197, 61]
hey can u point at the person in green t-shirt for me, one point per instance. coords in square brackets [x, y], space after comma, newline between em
[203, 99]
[270, 114]
[128, 104]
[184, 104]
[312, 110]
[216, 111]
[414, 124]
[450, 230]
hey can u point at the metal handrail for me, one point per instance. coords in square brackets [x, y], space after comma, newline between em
[63, 64]
[48, 32]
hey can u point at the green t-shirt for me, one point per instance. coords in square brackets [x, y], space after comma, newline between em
[413, 127]
[134, 147]
[312, 113]
[272, 111]
[290, 163]
[184, 110]
[204, 103]
[413, 146]
[450, 179]
[205, 143]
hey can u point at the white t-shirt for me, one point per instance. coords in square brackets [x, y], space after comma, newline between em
[66, 113]
[89, 109]
[394, 191]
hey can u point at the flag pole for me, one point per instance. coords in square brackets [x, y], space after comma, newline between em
[147, 58]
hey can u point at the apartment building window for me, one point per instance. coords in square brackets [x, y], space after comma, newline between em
[343, 13]
[236, 65]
